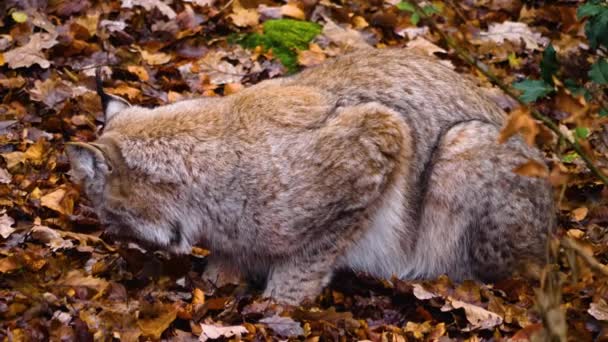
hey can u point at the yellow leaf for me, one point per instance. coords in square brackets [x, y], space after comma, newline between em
[579, 214]
[19, 17]
[35, 152]
[156, 319]
[139, 71]
[53, 201]
[198, 296]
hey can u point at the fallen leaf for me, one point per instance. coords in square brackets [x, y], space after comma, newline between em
[599, 310]
[423, 294]
[5, 176]
[150, 5]
[8, 264]
[157, 318]
[532, 168]
[283, 326]
[313, 56]
[520, 121]
[31, 53]
[293, 11]
[217, 331]
[140, 72]
[347, 38]
[424, 46]
[76, 278]
[5, 226]
[478, 317]
[579, 214]
[54, 201]
[243, 17]
[155, 58]
[515, 32]
[50, 237]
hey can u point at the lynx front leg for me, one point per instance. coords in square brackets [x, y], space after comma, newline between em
[300, 278]
[220, 272]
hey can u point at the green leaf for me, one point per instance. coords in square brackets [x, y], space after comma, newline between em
[596, 29]
[599, 72]
[430, 10]
[570, 157]
[549, 64]
[604, 112]
[533, 90]
[582, 132]
[589, 9]
[415, 19]
[283, 37]
[406, 6]
[19, 17]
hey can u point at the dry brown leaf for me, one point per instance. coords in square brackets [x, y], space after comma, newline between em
[478, 317]
[599, 310]
[157, 319]
[54, 200]
[423, 294]
[50, 237]
[9, 264]
[31, 53]
[217, 331]
[13, 159]
[423, 45]
[515, 32]
[520, 121]
[293, 11]
[313, 56]
[532, 168]
[6, 223]
[283, 326]
[5, 176]
[139, 71]
[124, 90]
[155, 58]
[78, 278]
[243, 17]
[347, 38]
[150, 5]
[579, 214]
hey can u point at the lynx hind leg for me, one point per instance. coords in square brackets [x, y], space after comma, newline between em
[481, 219]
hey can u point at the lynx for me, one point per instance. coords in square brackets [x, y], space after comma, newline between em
[381, 161]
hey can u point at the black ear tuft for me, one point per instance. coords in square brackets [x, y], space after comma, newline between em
[111, 104]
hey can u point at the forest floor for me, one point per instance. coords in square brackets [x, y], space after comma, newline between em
[62, 279]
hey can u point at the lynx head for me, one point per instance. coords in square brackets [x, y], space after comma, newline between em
[136, 178]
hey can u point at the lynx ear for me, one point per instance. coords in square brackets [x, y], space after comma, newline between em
[111, 104]
[88, 160]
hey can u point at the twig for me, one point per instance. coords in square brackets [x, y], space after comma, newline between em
[464, 55]
[586, 255]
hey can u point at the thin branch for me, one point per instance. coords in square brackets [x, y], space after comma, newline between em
[466, 56]
[586, 255]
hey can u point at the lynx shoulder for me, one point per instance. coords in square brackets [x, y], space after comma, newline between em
[380, 161]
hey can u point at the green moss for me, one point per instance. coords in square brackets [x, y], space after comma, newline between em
[284, 38]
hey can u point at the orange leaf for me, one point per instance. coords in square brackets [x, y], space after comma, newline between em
[521, 122]
[532, 168]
